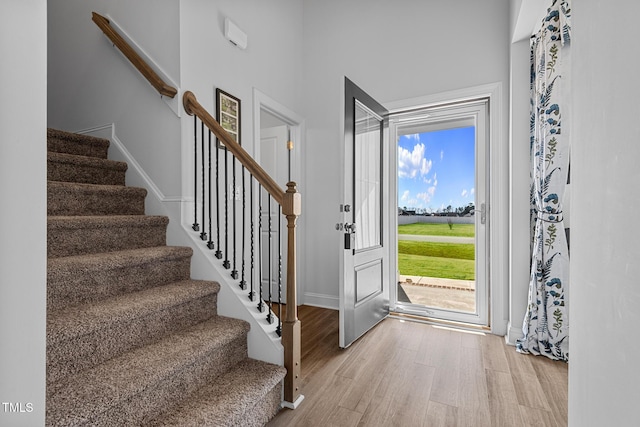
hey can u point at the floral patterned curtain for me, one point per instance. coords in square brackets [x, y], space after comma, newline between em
[546, 323]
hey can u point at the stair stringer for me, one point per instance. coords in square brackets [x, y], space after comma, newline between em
[262, 340]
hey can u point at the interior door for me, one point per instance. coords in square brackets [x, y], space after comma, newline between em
[365, 249]
[274, 158]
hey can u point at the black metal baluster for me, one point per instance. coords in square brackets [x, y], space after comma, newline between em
[253, 246]
[243, 282]
[203, 235]
[260, 302]
[279, 327]
[234, 271]
[195, 225]
[210, 242]
[226, 264]
[218, 252]
[269, 281]
[289, 149]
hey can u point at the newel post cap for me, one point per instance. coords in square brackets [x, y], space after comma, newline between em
[292, 202]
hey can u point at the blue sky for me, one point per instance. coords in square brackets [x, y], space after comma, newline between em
[437, 169]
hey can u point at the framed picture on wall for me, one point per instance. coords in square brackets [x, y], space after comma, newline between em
[228, 114]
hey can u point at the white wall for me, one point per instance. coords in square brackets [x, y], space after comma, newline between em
[394, 51]
[605, 293]
[519, 229]
[523, 22]
[91, 84]
[270, 63]
[23, 241]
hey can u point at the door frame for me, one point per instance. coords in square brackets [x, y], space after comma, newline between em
[443, 117]
[498, 182]
[296, 123]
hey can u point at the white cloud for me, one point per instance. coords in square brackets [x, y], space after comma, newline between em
[441, 155]
[468, 193]
[405, 196]
[415, 136]
[412, 163]
[431, 191]
[424, 196]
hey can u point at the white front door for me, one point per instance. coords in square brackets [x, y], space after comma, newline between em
[365, 238]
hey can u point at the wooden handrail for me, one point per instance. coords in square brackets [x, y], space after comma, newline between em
[290, 200]
[133, 56]
[192, 106]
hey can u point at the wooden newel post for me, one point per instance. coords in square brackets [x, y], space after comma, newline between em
[291, 208]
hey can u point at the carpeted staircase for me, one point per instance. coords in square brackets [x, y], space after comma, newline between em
[131, 339]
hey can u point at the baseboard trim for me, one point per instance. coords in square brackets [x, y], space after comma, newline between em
[321, 300]
[513, 334]
[108, 131]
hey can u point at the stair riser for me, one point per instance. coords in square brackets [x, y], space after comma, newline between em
[73, 286]
[70, 202]
[72, 143]
[248, 395]
[264, 410]
[79, 148]
[69, 172]
[173, 389]
[77, 241]
[73, 355]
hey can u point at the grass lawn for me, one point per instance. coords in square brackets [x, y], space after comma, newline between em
[435, 249]
[423, 229]
[435, 259]
[427, 266]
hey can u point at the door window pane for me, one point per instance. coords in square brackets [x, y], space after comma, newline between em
[368, 177]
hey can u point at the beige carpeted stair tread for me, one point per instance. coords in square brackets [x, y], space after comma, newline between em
[72, 143]
[70, 198]
[76, 321]
[227, 400]
[146, 380]
[84, 169]
[87, 278]
[83, 336]
[77, 235]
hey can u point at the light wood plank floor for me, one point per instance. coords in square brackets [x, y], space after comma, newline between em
[404, 373]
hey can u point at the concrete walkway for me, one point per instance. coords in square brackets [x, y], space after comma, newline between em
[437, 292]
[438, 282]
[438, 239]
